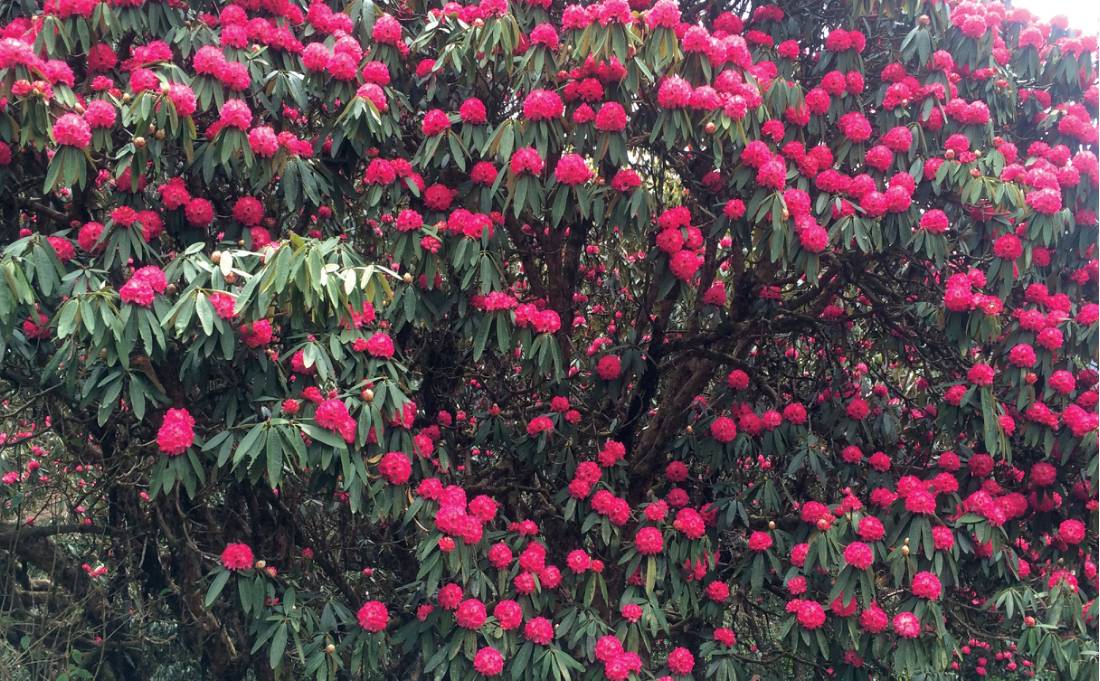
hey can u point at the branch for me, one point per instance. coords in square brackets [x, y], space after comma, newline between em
[52, 213]
[13, 532]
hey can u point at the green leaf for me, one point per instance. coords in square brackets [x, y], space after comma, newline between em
[457, 153]
[249, 442]
[53, 173]
[137, 398]
[482, 336]
[205, 311]
[216, 587]
[992, 428]
[274, 461]
[278, 646]
[520, 662]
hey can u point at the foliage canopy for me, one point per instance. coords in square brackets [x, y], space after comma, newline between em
[619, 341]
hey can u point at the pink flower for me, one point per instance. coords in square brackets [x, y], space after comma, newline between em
[760, 541]
[855, 126]
[611, 117]
[572, 170]
[62, 247]
[874, 619]
[723, 429]
[395, 467]
[608, 647]
[684, 264]
[690, 523]
[484, 173]
[1022, 355]
[857, 409]
[373, 616]
[575, 17]
[100, 114]
[934, 221]
[332, 414]
[663, 14]
[143, 286]
[798, 554]
[942, 538]
[927, 585]
[199, 212]
[981, 375]
[546, 35]
[174, 194]
[906, 625]
[387, 30]
[609, 367]
[380, 345]
[435, 122]
[488, 662]
[859, 555]
[1008, 247]
[539, 631]
[237, 557]
[674, 93]
[920, 502]
[380, 172]
[871, 529]
[177, 432]
[725, 636]
[183, 98]
[1071, 531]
[248, 210]
[796, 586]
[734, 209]
[813, 237]
[612, 453]
[508, 614]
[681, 661]
[626, 180]
[718, 591]
[473, 112]
[810, 614]
[543, 105]
[235, 114]
[838, 40]
[450, 595]
[501, 556]
[88, 237]
[631, 612]
[539, 424]
[649, 541]
[257, 334]
[374, 94]
[578, 561]
[263, 141]
[470, 614]
[72, 130]
[1046, 201]
[794, 414]
[224, 304]
[526, 160]
[1062, 381]
[772, 173]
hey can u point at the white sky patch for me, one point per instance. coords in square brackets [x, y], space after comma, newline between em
[1083, 15]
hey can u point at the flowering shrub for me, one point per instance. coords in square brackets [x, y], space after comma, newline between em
[621, 340]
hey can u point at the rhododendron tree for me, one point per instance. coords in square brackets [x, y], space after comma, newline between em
[619, 340]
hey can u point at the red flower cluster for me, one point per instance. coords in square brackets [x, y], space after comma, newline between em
[237, 557]
[332, 414]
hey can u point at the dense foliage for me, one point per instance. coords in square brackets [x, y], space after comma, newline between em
[626, 340]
